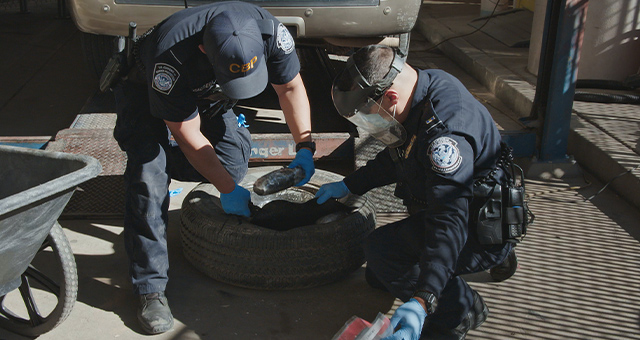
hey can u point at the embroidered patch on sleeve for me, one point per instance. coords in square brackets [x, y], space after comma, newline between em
[285, 40]
[165, 77]
[445, 155]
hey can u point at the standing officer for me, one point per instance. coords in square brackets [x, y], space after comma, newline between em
[442, 143]
[191, 69]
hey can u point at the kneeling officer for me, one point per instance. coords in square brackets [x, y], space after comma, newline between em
[442, 147]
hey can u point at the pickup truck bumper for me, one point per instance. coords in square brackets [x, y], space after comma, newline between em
[340, 19]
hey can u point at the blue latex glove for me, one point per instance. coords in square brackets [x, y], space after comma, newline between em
[242, 121]
[332, 190]
[304, 159]
[411, 317]
[236, 202]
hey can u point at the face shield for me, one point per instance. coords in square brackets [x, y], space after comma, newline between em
[376, 121]
[360, 104]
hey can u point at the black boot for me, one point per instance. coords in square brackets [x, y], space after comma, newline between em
[506, 269]
[154, 314]
[476, 316]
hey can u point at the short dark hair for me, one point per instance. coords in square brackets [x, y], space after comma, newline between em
[373, 62]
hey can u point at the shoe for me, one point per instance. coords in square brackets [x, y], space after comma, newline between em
[476, 316]
[506, 269]
[154, 314]
[479, 311]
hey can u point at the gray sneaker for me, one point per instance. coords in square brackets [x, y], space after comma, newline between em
[154, 313]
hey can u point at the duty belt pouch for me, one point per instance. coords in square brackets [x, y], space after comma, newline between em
[502, 217]
[514, 213]
[489, 225]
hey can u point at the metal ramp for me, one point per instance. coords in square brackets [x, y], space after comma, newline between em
[103, 196]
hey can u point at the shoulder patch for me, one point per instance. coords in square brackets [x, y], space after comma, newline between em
[444, 155]
[164, 77]
[285, 40]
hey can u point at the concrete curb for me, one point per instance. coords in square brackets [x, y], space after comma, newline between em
[594, 149]
[516, 93]
[606, 158]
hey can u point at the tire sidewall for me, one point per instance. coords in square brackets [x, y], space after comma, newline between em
[231, 249]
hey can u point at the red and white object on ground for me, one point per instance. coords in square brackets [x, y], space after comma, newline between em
[359, 329]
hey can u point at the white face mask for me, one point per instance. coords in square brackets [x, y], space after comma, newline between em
[375, 120]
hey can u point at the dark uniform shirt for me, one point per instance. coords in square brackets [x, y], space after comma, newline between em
[452, 141]
[181, 76]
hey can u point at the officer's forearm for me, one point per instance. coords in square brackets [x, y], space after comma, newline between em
[206, 161]
[446, 234]
[377, 172]
[295, 106]
[201, 154]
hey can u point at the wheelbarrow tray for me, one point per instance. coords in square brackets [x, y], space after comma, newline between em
[35, 187]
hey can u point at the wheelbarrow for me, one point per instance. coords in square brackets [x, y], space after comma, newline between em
[35, 186]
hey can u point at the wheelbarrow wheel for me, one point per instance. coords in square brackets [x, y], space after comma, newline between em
[40, 286]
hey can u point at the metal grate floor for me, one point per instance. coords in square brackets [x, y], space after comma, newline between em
[579, 274]
[102, 196]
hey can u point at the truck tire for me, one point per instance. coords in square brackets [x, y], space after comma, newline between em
[98, 49]
[230, 249]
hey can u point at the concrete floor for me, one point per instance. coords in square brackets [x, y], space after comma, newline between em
[579, 273]
[578, 279]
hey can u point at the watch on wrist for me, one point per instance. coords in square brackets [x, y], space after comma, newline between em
[430, 300]
[310, 145]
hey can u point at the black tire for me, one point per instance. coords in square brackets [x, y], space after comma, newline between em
[607, 98]
[61, 280]
[98, 49]
[232, 250]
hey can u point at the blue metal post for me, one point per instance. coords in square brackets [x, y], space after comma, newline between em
[562, 39]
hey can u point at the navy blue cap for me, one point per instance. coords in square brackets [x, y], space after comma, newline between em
[234, 46]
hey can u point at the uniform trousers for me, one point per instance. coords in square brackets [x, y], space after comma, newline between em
[151, 164]
[393, 253]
